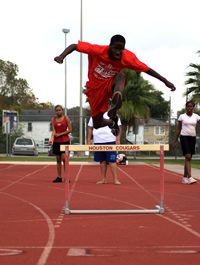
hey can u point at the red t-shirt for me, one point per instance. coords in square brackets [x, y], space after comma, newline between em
[60, 127]
[101, 67]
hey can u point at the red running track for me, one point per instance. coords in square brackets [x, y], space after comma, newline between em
[35, 230]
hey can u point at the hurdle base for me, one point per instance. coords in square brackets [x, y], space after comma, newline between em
[157, 210]
[161, 207]
[67, 210]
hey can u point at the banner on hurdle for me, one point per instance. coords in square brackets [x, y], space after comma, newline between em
[79, 148]
[135, 148]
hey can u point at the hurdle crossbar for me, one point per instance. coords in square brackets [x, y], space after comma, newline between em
[135, 148]
[125, 147]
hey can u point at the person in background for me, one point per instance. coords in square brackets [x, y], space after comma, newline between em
[61, 128]
[187, 130]
[104, 136]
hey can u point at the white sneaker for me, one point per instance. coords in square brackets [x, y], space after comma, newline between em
[191, 180]
[184, 181]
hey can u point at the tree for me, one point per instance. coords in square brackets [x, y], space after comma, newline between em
[15, 92]
[159, 109]
[136, 97]
[193, 81]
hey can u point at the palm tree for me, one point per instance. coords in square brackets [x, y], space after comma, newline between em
[136, 96]
[194, 81]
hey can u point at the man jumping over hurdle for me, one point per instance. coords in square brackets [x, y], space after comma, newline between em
[105, 79]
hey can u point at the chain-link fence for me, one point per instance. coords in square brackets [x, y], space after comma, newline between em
[39, 127]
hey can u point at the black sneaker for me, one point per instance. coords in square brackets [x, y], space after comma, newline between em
[57, 180]
[116, 104]
[115, 128]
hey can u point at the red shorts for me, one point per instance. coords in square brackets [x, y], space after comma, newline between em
[99, 98]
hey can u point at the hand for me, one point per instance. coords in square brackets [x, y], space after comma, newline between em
[58, 59]
[50, 143]
[170, 85]
[174, 146]
[57, 135]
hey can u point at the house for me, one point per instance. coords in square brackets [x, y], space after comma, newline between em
[153, 132]
[156, 132]
[37, 125]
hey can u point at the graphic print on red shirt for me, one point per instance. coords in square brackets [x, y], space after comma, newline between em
[101, 67]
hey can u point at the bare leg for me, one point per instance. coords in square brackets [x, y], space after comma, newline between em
[118, 83]
[113, 167]
[58, 159]
[187, 168]
[63, 160]
[118, 86]
[103, 167]
[99, 121]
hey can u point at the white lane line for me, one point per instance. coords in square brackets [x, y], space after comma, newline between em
[15, 182]
[47, 249]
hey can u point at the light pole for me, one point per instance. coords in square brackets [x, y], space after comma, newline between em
[66, 31]
[81, 107]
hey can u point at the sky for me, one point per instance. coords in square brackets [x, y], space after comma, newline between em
[162, 34]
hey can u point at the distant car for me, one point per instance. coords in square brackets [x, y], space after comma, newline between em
[24, 146]
[50, 151]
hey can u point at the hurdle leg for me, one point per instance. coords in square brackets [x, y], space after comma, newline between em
[162, 210]
[67, 211]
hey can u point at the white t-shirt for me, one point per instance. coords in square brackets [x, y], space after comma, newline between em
[188, 124]
[103, 134]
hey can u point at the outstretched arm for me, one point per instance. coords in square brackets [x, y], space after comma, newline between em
[161, 78]
[68, 50]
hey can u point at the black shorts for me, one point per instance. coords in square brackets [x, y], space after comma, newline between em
[56, 147]
[188, 144]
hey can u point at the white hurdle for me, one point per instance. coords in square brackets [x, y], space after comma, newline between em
[135, 148]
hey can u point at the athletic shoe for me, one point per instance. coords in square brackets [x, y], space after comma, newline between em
[185, 181]
[116, 104]
[191, 180]
[57, 180]
[115, 128]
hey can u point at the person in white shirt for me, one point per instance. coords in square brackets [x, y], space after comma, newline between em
[187, 130]
[104, 136]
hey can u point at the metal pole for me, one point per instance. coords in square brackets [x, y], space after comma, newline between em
[162, 179]
[6, 138]
[67, 179]
[66, 31]
[85, 131]
[81, 110]
[65, 77]
[10, 149]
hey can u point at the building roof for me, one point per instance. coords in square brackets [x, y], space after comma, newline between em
[154, 122]
[38, 115]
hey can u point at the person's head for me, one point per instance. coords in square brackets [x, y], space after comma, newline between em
[189, 106]
[58, 110]
[190, 102]
[116, 47]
